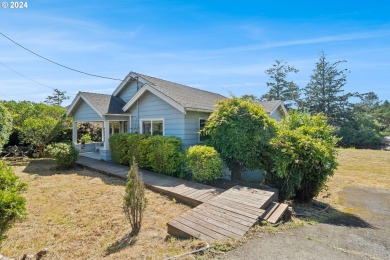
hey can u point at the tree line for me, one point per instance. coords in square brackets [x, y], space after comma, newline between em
[359, 124]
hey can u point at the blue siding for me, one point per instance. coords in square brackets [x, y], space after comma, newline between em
[128, 91]
[152, 107]
[191, 136]
[84, 112]
[276, 115]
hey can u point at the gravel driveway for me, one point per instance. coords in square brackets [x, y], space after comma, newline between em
[365, 235]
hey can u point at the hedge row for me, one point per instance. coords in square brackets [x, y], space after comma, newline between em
[156, 153]
[164, 155]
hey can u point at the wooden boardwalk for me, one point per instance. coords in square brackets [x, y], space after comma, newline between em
[218, 214]
[187, 192]
[228, 215]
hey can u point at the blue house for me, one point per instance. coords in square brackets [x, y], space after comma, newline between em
[149, 105]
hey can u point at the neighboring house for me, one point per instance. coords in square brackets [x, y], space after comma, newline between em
[144, 104]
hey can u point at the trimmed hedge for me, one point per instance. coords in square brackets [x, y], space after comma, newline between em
[204, 163]
[124, 147]
[160, 154]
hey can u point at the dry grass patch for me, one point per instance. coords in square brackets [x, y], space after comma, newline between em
[357, 168]
[77, 214]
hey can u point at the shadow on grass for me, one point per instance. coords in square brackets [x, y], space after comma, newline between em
[126, 241]
[46, 167]
[324, 213]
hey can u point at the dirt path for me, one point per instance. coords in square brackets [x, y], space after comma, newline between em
[365, 234]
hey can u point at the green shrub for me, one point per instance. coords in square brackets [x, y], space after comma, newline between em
[124, 147]
[12, 204]
[86, 138]
[134, 203]
[161, 154]
[204, 163]
[303, 156]
[362, 131]
[119, 148]
[65, 155]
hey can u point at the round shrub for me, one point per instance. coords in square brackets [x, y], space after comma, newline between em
[65, 155]
[204, 163]
[12, 203]
[303, 156]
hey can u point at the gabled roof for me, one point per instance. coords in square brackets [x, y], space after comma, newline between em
[188, 98]
[272, 105]
[102, 104]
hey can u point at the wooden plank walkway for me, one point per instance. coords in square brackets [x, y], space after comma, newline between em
[228, 215]
[184, 191]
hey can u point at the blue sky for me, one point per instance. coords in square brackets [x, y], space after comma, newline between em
[220, 46]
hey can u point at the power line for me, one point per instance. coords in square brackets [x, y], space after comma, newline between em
[56, 63]
[20, 74]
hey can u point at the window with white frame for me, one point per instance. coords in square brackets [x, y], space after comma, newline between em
[202, 137]
[152, 127]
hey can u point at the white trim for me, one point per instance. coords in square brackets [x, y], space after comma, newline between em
[127, 79]
[200, 118]
[76, 100]
[141, 130]
[157, 93]
[199, 110]
[280, 104]
[124, 114]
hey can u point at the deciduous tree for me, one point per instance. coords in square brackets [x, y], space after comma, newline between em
[5, 125]
[240, 131]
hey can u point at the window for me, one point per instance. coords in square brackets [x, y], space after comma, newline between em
[202, 137]
[152, 127]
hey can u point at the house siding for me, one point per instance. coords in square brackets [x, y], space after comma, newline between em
[128, 91]
[276, 115]
[84, 112]
[152, 107]
[191, 127]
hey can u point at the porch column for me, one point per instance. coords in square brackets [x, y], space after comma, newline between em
[106, 134]
[74, 133]
[129, 126]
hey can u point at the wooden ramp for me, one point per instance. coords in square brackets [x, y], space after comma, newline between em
[187, 192]
[229, 215]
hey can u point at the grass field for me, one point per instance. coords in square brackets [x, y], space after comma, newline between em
[357, 168]
[77, 214]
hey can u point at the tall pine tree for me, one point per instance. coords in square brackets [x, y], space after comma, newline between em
[324, 92]
[280, 87]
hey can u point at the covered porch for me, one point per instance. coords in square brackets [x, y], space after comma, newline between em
[99, 148]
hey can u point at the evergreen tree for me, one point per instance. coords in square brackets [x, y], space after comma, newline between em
[280, 87]
[324, 93]
[57, 98]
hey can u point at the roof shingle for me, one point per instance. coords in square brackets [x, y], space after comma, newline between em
[188, 97]
[106, 104]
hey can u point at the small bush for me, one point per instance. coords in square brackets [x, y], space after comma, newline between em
[12, 204]
[161, 154]
[65, 155]
[134, 203]
[86, 139]
[204, 163]
[303, 156]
